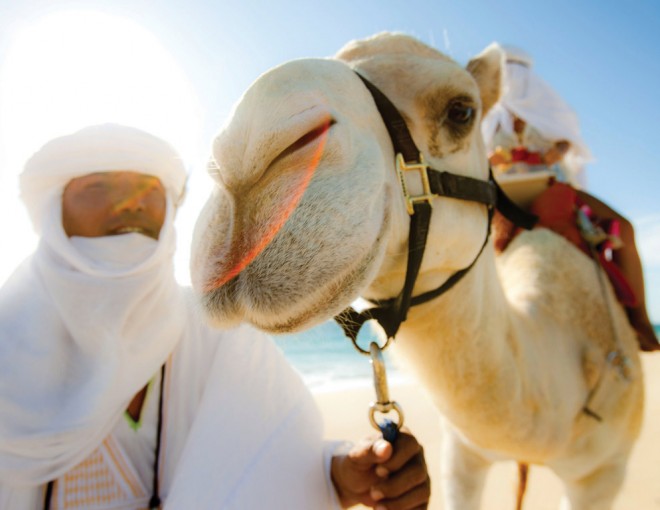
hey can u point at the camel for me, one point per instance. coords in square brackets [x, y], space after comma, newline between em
[307, 215]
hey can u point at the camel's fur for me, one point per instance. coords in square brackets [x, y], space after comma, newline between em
[510, 355]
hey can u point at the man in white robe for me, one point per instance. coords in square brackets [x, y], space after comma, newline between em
[113, 391]
[549, 126]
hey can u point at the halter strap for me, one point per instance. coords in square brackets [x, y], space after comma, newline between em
[390, 313]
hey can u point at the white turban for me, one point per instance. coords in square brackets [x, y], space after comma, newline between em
[531, 99]
[106, 147]
[84, 322]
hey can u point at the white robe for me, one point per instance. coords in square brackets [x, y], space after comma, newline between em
[80, 337]
[86, 323]
[241, 431]
[257, 440]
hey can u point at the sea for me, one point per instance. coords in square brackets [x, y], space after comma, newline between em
[328, 361]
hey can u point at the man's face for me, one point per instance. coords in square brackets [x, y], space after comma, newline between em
[113, 203]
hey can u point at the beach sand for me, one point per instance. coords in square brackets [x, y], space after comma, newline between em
[345, 413]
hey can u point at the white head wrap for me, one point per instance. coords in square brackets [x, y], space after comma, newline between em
[531, 99]
[84, 322]
[101, 148]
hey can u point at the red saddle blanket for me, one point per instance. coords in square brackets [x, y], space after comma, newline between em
[557, 208]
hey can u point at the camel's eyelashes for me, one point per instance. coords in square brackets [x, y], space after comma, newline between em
[460, 113]
[459, 117]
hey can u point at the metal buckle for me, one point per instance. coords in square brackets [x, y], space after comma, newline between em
[401, 168]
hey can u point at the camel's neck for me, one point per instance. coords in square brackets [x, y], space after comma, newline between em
[462, 344]
[508, 368]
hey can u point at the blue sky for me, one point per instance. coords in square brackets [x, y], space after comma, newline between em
[602, 56]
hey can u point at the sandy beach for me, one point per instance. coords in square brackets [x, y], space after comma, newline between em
[346, 418]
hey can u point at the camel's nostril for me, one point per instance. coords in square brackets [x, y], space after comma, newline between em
[314, 135]
[261, 233]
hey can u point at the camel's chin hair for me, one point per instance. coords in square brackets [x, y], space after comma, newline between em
[317, 304]
[221, 321]
[305, 316]
[277, 325]
[283, 312]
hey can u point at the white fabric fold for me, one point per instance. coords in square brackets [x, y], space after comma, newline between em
[257, 438]
[241, 430]
[79, 339]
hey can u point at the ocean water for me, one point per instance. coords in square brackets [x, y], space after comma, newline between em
[327, 360]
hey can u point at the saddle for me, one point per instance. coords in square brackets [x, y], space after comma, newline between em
[559, 209]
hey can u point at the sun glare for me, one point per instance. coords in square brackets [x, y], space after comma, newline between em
[78, 68]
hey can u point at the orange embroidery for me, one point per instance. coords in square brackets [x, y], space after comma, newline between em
[103, 480]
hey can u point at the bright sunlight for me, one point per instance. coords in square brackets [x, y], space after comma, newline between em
[76, 68]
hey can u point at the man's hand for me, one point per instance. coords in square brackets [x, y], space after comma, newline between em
[380, 476]
[556, 153]
[504, 231]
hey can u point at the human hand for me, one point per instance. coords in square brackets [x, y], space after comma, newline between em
[498, 159]
[383, 476]
[556, 153]
[504, 230]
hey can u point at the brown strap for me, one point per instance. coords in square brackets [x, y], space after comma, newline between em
[392, 312]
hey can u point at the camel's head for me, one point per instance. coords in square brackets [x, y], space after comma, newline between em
[307, 213]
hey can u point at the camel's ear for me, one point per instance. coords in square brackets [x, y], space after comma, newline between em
[486, 68]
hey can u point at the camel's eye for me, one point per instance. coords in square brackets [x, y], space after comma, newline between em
[460, 113]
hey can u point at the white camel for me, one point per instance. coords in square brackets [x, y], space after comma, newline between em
[308, 215]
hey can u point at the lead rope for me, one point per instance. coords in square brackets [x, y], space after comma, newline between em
[383, 404]
[155, 501]
[390, 323]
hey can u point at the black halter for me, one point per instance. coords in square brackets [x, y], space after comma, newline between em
[390, 313]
